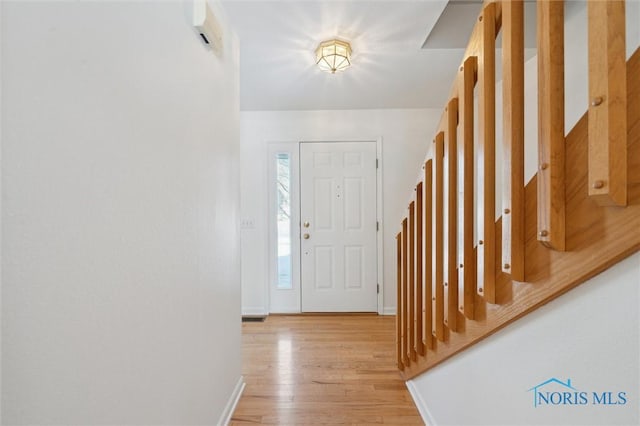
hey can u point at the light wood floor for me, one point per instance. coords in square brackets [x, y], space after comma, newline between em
[322, 370]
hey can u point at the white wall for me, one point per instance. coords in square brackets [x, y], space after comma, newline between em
[120, 241]
[590, 335]
[406, 136]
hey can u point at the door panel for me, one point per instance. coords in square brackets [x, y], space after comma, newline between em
[353, 259]
[338, 226]
[323, 203]
[353, 194]
[324, 261]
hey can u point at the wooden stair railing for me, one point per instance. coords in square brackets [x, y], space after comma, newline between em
[579, 214]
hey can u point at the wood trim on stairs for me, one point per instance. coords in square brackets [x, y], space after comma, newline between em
[596, 239]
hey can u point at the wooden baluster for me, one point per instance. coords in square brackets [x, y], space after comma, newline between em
[513, 240]
[429, 295]
[405, 337]
[466, 257]
[551, 152]
[451, 253]
[399, 300]
[438, 234]
[412, 283]
[608, 103]
[419, 266]
[486, 154]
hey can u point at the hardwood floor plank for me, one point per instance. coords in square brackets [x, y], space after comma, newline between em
[338, 369]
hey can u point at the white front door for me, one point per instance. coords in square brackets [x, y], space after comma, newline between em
[338, 226]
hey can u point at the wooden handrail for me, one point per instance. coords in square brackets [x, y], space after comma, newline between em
[554, 232]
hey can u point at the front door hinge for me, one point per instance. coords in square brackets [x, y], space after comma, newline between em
[378, 288]
[376, 163]
[377, 226]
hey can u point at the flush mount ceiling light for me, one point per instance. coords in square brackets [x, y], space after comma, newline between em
[333, 55]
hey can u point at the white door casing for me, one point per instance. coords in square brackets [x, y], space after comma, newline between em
[338, 213]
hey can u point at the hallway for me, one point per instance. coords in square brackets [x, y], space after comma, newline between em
[322, 369]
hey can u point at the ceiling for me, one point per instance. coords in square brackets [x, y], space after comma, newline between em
[391, 68]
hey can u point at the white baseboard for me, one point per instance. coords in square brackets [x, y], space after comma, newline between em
[285, 311]
[225, 418]
[389, 310]
[254, 310]
[420, 404]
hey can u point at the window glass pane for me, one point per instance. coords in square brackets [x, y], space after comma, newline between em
[283, 218]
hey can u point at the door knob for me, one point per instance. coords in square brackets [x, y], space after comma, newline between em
[306, 224]
[306, 236]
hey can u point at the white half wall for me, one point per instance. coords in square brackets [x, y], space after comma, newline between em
[589, 335]
[120, 200]
[406, 137]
